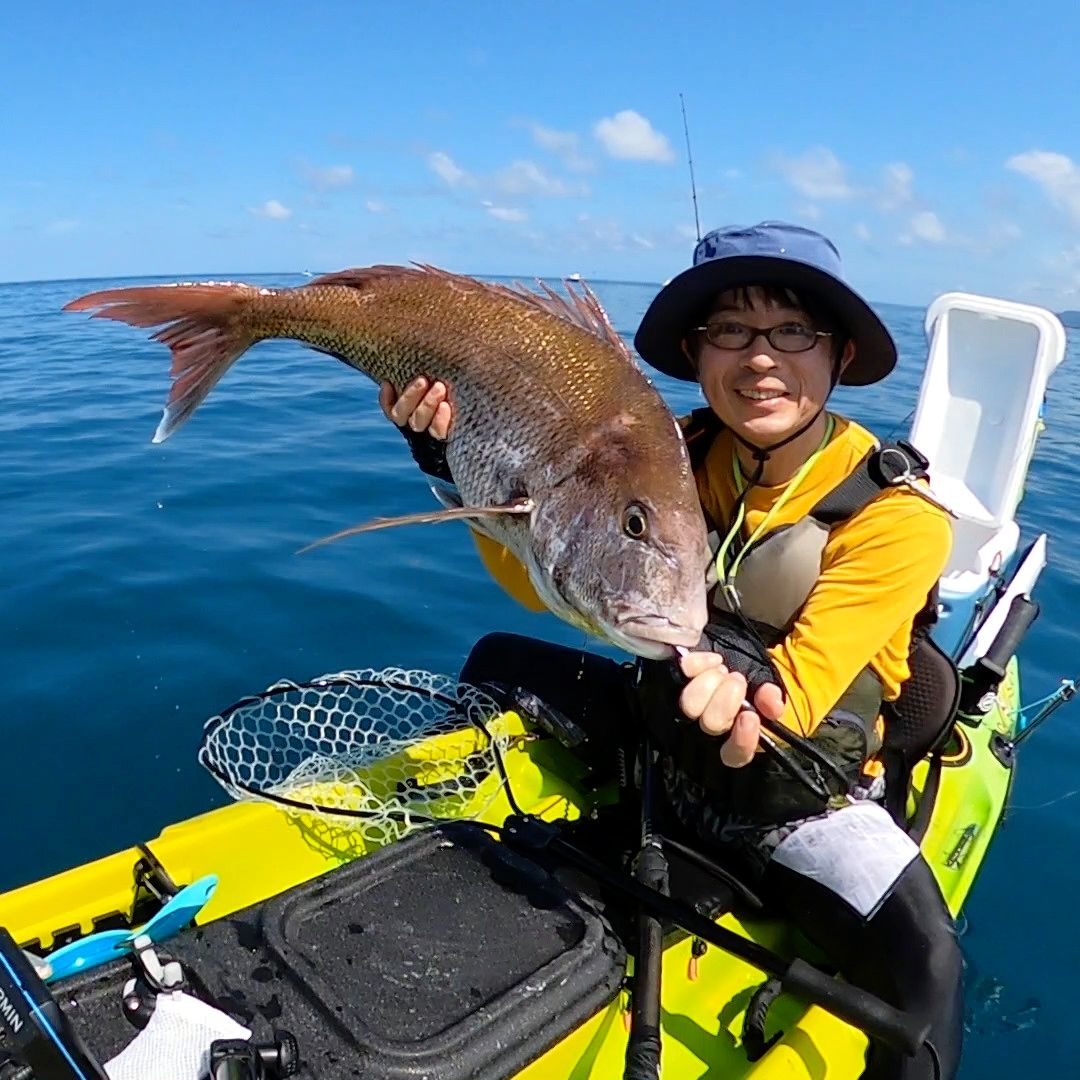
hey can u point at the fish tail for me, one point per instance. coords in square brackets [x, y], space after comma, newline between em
[207, 328]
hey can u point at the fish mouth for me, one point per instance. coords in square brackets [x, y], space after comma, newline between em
[656, 637]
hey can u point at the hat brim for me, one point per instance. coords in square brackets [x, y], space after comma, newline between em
[686, 298]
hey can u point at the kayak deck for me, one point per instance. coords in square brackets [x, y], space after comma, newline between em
[259, 852]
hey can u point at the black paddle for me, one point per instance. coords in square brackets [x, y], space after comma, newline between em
[860, 1008]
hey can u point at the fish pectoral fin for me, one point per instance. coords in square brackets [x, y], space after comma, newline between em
[457, 513]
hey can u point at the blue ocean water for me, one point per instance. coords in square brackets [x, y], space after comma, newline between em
[143, 588]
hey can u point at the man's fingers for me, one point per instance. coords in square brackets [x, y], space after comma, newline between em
[724, 705]
[698, 692]
[406, 403]
[741, 744]
[694, 663]
[424, 412]
[440, 422]
[769, 701]
[423, 405]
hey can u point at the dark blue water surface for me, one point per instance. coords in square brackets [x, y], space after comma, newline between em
[143, 588]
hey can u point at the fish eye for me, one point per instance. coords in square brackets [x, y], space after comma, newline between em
[635, 522]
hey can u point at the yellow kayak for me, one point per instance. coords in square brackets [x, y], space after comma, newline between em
[444, 954]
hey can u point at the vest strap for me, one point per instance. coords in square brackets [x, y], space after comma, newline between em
[890, 464]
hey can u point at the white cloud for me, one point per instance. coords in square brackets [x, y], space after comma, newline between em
[925, 226]
[1056, 174]
[444, 166]
[809, 212]
[61, 227]
[565, 145]
[629, 136]
[896, 188]
[817, 174]
[642, 241]
[862, 232]
[732, 174]
[504, 213]
[523, 177]
[328, 178]
[272, 209]
[686, 232]
[375, 207]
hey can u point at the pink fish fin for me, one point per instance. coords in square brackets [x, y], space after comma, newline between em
[459, 513]
[202, 332]
[360, 277]
[585, 312]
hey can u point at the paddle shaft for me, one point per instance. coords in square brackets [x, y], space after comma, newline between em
[892, 1026]
[651, 871]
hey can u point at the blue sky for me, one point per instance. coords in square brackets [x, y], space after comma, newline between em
[939, 146]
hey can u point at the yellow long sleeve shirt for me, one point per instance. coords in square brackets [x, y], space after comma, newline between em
[876, 571]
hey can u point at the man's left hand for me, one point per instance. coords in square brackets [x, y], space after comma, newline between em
[714, 697]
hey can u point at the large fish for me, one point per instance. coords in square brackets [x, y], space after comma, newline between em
[560, 448]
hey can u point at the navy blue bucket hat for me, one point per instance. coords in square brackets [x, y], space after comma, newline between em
[771, 253]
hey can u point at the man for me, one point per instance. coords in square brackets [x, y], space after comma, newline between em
[822, 570]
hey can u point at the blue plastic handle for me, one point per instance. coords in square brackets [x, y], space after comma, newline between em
[107, 945]
[179, 911]
[88, 952]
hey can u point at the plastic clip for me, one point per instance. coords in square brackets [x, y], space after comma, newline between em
[160, 977]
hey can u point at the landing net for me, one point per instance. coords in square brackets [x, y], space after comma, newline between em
[381, 751]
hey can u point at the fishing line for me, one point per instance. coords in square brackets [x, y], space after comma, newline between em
[365, 746]
[690, 161]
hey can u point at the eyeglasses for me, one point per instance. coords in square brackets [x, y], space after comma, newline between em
[790, 337]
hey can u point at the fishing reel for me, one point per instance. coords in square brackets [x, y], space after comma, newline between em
[241, 1059]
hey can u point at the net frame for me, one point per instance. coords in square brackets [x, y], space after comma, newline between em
[262, 747]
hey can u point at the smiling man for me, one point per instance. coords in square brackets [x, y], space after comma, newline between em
[827, 551]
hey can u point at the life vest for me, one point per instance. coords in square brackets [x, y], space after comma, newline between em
[775, 577]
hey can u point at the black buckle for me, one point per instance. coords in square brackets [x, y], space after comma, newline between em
[899, 462]
[920, 460]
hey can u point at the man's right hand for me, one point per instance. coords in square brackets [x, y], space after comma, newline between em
[422, 405]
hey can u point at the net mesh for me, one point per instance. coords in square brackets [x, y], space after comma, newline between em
[381, 751]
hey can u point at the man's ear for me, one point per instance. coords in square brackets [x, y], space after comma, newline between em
[846, 357]
[689, 353]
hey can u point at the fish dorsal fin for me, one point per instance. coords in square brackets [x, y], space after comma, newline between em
[359, 277]
[582, 309]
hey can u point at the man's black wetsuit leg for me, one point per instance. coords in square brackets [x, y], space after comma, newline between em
[591, 690]
[907, 954]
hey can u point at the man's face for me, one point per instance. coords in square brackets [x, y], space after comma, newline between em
[761, 392]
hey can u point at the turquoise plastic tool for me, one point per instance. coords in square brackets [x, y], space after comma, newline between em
[106, 945]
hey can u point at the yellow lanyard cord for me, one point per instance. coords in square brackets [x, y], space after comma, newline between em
[725, 576]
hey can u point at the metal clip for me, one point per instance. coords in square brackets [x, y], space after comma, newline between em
[907, 479]
[730, 595]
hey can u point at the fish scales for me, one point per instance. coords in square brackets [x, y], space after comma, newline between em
[547, 404]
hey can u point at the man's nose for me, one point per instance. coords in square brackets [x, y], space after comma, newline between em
[760, 360]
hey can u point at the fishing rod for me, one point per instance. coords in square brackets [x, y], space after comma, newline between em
[647, 887]
[690, 162]
[899, 1029]
[650, 868]
[1066, 692]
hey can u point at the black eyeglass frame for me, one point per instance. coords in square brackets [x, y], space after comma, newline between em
[756, 332]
